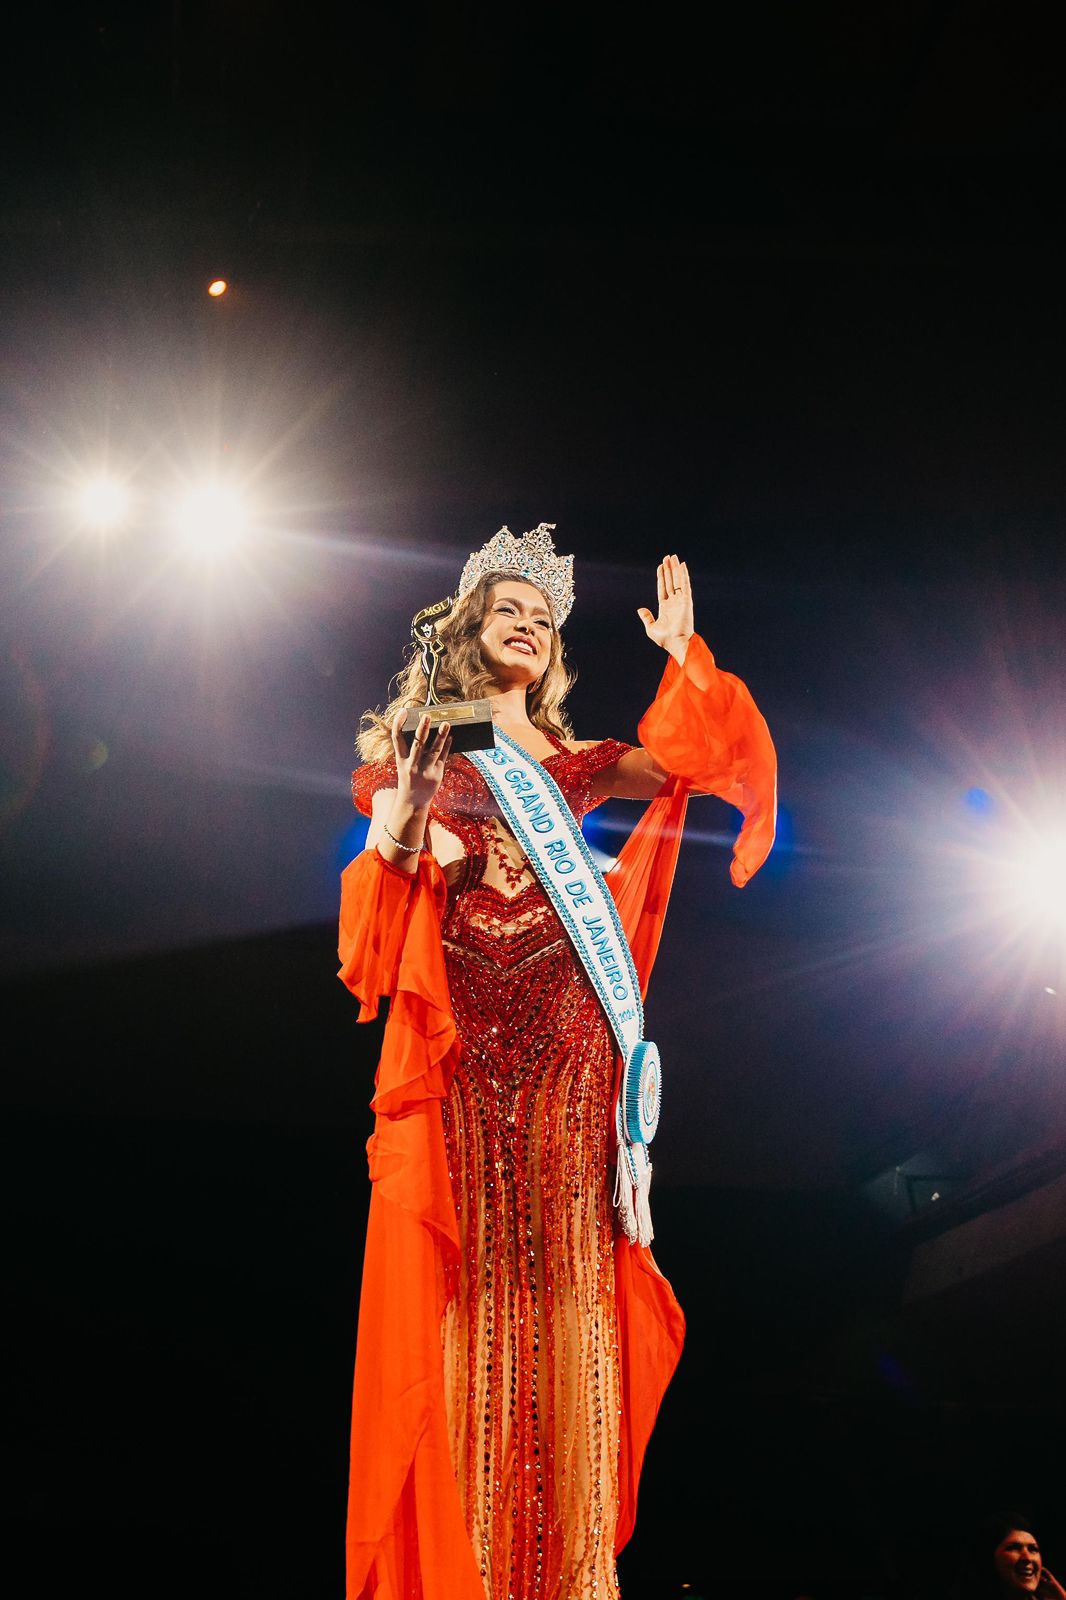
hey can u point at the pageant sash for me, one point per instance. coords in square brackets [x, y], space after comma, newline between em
[542, 822]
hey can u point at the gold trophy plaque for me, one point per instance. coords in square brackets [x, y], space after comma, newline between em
[470, 720]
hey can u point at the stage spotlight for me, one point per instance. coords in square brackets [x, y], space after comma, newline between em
[211, 519]
[1036, 882]
[217, 288]
[1021, 878]
[103, 502]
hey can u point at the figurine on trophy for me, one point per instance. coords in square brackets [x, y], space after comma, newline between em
[470, 720]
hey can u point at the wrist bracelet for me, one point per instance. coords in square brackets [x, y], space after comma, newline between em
[408, 849]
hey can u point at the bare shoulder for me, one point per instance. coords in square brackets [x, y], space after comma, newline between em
[575, 745]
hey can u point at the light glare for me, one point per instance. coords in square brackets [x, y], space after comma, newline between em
[1039, 883]
[217, 288]
[1022, 880]
[103, 502]
[211, 519]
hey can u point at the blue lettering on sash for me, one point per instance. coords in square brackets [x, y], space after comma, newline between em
[538, 818]
[557, 850]
[526, 795]
[601, 943]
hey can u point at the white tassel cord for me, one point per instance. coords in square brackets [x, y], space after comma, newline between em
[624, 1200]
[633, 1203]
[645, 1231]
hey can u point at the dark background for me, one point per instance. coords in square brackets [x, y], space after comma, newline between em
[777, 287]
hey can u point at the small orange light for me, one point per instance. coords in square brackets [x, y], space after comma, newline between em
[217, 288]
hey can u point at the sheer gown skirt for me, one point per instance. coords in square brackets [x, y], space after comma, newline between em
[530, 1337]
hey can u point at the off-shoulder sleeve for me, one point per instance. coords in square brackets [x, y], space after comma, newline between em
[368, 779]
[704, 727]
[604, 754]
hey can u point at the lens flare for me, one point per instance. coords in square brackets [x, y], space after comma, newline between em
[1035, 883]
[1017, 885]
[211, 519]
[217, 288]
[103, 502]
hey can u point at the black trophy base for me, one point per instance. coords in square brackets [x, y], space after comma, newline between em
[470, 720]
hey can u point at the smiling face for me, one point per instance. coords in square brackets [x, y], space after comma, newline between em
[516, 633]
[1018, 1562]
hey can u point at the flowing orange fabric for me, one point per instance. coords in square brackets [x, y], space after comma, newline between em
[651, 1325]
[705, 727]
[406, 1536]
[405, 1533]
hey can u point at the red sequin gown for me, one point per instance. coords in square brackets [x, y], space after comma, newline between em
[530, 1339]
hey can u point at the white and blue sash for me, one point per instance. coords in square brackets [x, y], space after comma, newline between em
[547, 830]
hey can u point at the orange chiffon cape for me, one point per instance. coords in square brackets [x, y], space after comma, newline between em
[406, 1533]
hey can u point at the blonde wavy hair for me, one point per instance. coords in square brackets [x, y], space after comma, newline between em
[462, 675]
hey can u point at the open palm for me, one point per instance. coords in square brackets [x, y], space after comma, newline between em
[673, 627]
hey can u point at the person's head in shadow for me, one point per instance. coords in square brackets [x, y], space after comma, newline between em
[1006, 1562]
[1016, 1556]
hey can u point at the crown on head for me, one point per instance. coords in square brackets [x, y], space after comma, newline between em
[531, 557]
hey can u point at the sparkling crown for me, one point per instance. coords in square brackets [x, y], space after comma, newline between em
[532, 557]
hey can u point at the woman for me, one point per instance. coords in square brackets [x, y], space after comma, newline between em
[1006, 1563]
[513, 1345]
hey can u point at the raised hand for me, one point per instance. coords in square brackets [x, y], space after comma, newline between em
[672, 629]
[419, 770]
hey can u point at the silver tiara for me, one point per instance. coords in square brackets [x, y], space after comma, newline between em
[531, 557]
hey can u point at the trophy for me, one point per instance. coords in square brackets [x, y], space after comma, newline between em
[469, 720]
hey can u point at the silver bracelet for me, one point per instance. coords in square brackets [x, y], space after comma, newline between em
[408, 849]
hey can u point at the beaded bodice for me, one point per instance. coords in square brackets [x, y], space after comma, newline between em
[484, 913]
[465, 794]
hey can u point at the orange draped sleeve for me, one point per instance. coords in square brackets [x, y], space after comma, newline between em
[705, 727]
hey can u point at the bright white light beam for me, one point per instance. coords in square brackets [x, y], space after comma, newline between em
[1036, 882]
[211, 519]
[103, 502]
[1023, 881]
